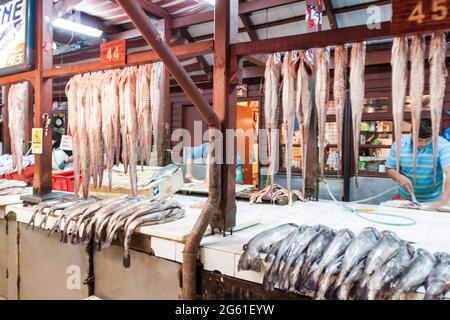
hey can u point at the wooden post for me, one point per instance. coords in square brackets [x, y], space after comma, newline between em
[6, 141]
[224, 104]
[43, 90]
[166, 114]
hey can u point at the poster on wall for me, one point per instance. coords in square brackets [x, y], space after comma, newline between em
[16, 36]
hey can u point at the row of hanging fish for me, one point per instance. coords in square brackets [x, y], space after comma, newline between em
[98, 221]
[113, 114]
[17, 99]
[329, 264]
[294, 73]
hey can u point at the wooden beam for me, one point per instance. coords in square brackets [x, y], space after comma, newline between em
[330, 14]
[224, 104]
[201, 59]
[361, 6]
[252, 72]
[18, 77]
[43, 89]
[248, 27]
[164, 126]
[312, 40]
[154, 10]
[181, 51]
[255, 61]
[244, 8]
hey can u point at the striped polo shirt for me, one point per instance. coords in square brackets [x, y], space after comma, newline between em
[423, 188]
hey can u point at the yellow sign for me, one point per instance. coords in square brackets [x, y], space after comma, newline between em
[37, 140]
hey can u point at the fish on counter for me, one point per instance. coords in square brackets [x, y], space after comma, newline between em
[339, 93]
[273, 193]
[17, 99]
[415, 274]
[438, 75]
[357, 93]
[261, 244]
[327, 278]
[399, 64]
[322, 68]
[416, 89]
[345, 288]
[438, 282]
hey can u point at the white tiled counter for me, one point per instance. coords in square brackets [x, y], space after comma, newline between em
[218, 253]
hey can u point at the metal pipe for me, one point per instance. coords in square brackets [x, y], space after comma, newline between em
[191, 247]
[347, 152]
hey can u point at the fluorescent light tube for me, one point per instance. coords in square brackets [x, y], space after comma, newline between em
[77, 27]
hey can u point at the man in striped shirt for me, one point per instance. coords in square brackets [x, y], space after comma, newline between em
[424, 188]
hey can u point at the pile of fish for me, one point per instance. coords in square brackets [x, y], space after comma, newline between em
[12, 187]
[329, 264]
[112, 114]
[7, 166]
[17, 99]
[93, 220]
[274, 193]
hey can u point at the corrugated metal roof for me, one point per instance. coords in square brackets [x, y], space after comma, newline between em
[362, 17]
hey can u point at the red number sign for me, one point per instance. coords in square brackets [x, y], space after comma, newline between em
[113, 53]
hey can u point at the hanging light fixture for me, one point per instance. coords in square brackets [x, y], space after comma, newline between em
[77, 27]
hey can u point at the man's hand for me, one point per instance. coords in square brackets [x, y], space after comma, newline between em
[438, 204]
[405, 183]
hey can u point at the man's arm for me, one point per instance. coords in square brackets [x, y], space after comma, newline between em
[446, 193]
[403, 181]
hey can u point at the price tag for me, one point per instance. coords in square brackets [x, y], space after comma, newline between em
[113, 53]
[37, 138]
[66, 143]
[413, 16]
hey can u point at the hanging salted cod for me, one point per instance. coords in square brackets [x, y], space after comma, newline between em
[304, 105]
[72, 91]
[438, 74]
[95, 129]
[399, 64]
[357, 90]
[131, 125]
[144, 112]
[321, 95]
[108, 104]
[123, 76]
[17, 98]
[271, 110]
[156, 103]
[339, 93]
[288, 104]
[83, 107]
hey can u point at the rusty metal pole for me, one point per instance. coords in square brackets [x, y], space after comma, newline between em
[191, 247]
[224, 103]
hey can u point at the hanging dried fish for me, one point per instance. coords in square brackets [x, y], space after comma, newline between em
[399, 81]
[321, 95]
[84, 100]
[438, 74]
[144, 112]
[72, 91]
[357, 91]
[107, 105]
[17, 97]
[339, 93]
[95, 129]
[288, 104]
[155, 101]
[416, 87]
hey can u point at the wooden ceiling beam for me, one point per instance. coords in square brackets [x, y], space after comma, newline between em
[330, 14]
[248, 27]
[312, 40]
[201, 59]
[154, 10]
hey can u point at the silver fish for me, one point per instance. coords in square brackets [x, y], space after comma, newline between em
[335, 249]
[315, 250]
[438, 282]
[326, 280]
[386, 248]
[357, 250]
[346, 287]
[295, 274]
[261, 244]
[390, 270]
[415, 274]
[163, 173]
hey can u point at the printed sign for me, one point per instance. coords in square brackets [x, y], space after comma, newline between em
[113, 52]
[242, 90]
[15, 36]
[412, 16]
[66, 143]
[37, 135]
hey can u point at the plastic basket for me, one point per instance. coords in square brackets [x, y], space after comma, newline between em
[64, 181]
